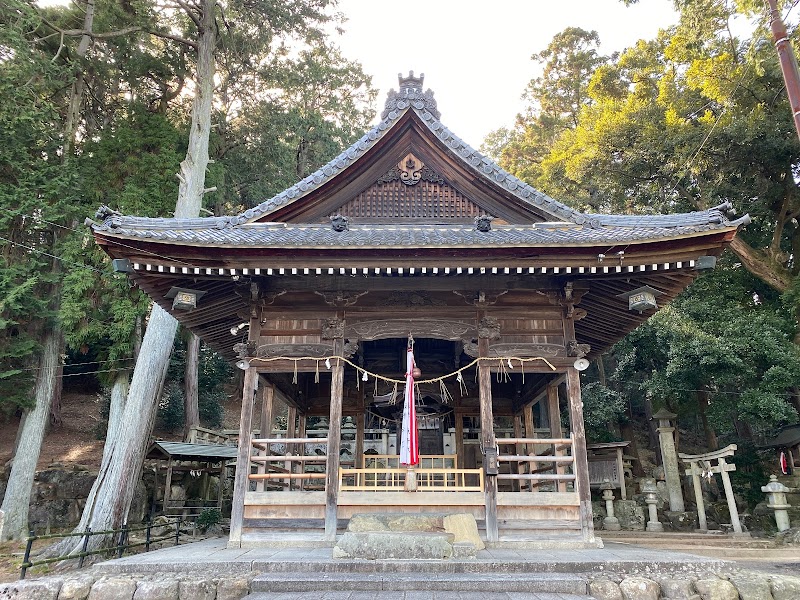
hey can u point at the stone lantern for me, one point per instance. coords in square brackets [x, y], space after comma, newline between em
[610, 523]
[649, 490]
[669, 459]
[776, 500]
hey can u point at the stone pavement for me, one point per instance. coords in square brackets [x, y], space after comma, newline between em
[414, 596]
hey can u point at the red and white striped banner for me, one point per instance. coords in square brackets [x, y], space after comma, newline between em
[409, 441]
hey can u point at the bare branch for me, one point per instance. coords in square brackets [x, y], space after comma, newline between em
[91, 34]
[174, 38]
[189, 12]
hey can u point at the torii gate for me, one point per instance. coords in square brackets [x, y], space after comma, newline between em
[700, 464]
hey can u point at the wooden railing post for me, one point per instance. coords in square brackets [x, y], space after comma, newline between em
[487, 438]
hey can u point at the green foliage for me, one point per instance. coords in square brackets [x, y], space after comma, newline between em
[170, 407]
[208, 517]
[601, 406]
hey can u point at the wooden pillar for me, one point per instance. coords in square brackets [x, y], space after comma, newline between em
[459, 433]
[221, 486]
[360, 424]
[581, 463]
[291, 432]
[267, 401]
[554, 418]
[168, 485]
[518, 449]
[487, 439]
[334, 443]
[530, 433]
[241, 482]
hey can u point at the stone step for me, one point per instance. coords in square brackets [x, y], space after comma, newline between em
[417, 580]
[684, 541]
[416, 595]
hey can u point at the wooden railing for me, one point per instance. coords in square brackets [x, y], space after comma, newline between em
[426, 461]
[525, 462]
[288, 468]
[389, 479]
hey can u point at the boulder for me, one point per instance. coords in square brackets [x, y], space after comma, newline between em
[716, 589]
[682, 521]
[630, 515]
[202, 589]
[785, 588]
[113, 587]
[464, 530]
[31, 589]
[678, 589]
[76, 589]
[166, 589]
[604, 589]
[393, 545]
[639, 588]
[233, 589]
[752, 587]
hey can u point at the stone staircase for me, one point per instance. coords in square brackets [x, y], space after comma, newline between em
[413, 576]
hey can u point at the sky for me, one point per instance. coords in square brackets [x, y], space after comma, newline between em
[476, 55]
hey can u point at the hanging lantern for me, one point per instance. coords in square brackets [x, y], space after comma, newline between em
[184, 298]
[641, 299]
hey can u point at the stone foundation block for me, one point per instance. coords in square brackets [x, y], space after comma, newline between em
[605, 589]
[752, 588]
[385, 545]
[464, 530]
[33, 589]
[716, 589]
[76, 589]
[115, 588]
[197, 590]
[678, 589]
[785, 588]
[233, 589]
[157, 590]
[639, 588]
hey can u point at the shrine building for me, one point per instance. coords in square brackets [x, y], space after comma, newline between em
[411, 233]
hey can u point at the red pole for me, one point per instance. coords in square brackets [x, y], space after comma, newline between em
[788, 61]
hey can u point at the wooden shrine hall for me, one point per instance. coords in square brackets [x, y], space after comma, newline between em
[411, 232]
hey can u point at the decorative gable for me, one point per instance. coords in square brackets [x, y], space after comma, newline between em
[411, 190]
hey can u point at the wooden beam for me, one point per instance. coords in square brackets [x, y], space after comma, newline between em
[242, 478]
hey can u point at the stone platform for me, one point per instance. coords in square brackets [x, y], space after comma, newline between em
[208, 569]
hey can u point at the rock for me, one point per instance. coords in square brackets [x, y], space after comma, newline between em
[682, 521]
[157, 590]
[392, 545]
[790, 537]
[366, 522]
[752, 587]
[113, 587]
[604, 589]
[639, 588]
[204, 589]
[716, 589]
[31, 589]
[233, 589]
[630, 515]
[785, 588]
[403, 522]
[76, 589]
[678, 589]
[464, 529]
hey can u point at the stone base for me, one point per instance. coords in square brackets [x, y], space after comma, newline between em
[381, 536]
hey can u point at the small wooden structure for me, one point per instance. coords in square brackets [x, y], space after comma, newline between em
[410, 231]
[203, 460]
[607, 462]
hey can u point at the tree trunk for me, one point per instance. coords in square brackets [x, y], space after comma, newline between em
[652, 434]
[111, 495]
[119, 396]
[711, 435]
[191, 409]
[23, 468]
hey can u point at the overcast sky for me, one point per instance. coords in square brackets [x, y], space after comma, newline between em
[476, 54]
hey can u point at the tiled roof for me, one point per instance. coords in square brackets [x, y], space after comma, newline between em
[219, 232]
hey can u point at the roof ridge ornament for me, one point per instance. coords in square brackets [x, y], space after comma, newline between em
[410, 94]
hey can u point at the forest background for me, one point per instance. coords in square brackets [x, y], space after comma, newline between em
[99, 105]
